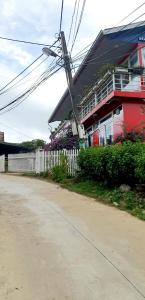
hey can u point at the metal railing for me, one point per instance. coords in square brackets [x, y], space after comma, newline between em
[117, 81]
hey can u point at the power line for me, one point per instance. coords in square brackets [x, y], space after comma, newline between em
[72, 20]
[61, 14]
[27, 42]
[21, 79]
[108, 51]
[79, 23]
[14, 129]
[125, 26]
[27, 92]
[24, 70]
[21, 73]
[76, 19]
[132, 12]
[17, 104]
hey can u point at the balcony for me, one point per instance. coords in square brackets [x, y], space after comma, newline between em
[112, 83]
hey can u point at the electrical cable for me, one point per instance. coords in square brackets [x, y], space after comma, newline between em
[21, 79]
[15, 85]
[17, 104]
[24, 70]
[132, 12]
[125, 26]
[14, 129]
[72, 20]
[21, 73]
[61, 14]
[27, 92]
[79, 24]
[108, 51]
[76, 19]
[26, 42]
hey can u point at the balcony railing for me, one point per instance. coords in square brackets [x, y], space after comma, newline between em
[118, 81]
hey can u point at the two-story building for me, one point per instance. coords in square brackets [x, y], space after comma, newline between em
[112, 101]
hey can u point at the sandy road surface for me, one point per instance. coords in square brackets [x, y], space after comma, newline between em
[57, 245]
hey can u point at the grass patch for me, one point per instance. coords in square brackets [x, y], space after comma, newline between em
[130, 201]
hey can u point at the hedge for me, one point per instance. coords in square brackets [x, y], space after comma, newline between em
[116, 164]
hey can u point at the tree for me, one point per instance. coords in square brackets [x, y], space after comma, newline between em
[67, 142]
[33, 145]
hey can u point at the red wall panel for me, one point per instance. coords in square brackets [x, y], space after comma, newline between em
[95, 137]
[134, 116]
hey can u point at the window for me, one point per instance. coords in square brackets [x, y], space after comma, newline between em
[106, 118]
[117, 111]
[108, 134]
[106, 130]
[143, 56]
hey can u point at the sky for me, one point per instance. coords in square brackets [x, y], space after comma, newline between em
[38, 21]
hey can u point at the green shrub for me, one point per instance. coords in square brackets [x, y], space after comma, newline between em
[114, 164]
[60, 172]
[140, 168]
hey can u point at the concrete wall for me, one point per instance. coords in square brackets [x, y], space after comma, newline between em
[22, 162]
[2, 163]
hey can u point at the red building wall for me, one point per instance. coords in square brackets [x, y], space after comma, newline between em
[134, 116]
[95, 137]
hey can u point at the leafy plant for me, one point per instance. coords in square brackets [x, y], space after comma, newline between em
[114, 165]
[106, 68]
[68, 142]
[60, 172]
[140, 168]
[133, 136]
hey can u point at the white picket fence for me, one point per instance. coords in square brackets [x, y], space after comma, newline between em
[42, 161]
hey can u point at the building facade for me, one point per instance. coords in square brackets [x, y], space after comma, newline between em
[113, 72]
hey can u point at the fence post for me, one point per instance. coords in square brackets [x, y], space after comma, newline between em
[37, 161]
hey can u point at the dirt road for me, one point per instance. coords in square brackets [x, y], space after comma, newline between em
[57, 245]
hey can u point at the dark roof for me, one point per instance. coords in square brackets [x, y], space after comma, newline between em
[10, 148]
[110, 47]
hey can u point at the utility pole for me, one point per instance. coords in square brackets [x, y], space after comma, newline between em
[69, 78]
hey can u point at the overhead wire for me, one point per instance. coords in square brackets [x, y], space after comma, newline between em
[21, 72]
[79, 24]
[76, 19]
[24, 70]
[132, 12]
[15, 85]
[108, 51]
[27, 42]
[21, 79]
[124, 26]
[72, 21]
[14, 129]
[61, 15]
[26, 93]
[17, 104]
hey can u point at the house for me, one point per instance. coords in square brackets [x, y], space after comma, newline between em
[63, 137]
[109, 86]
[62, 130]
